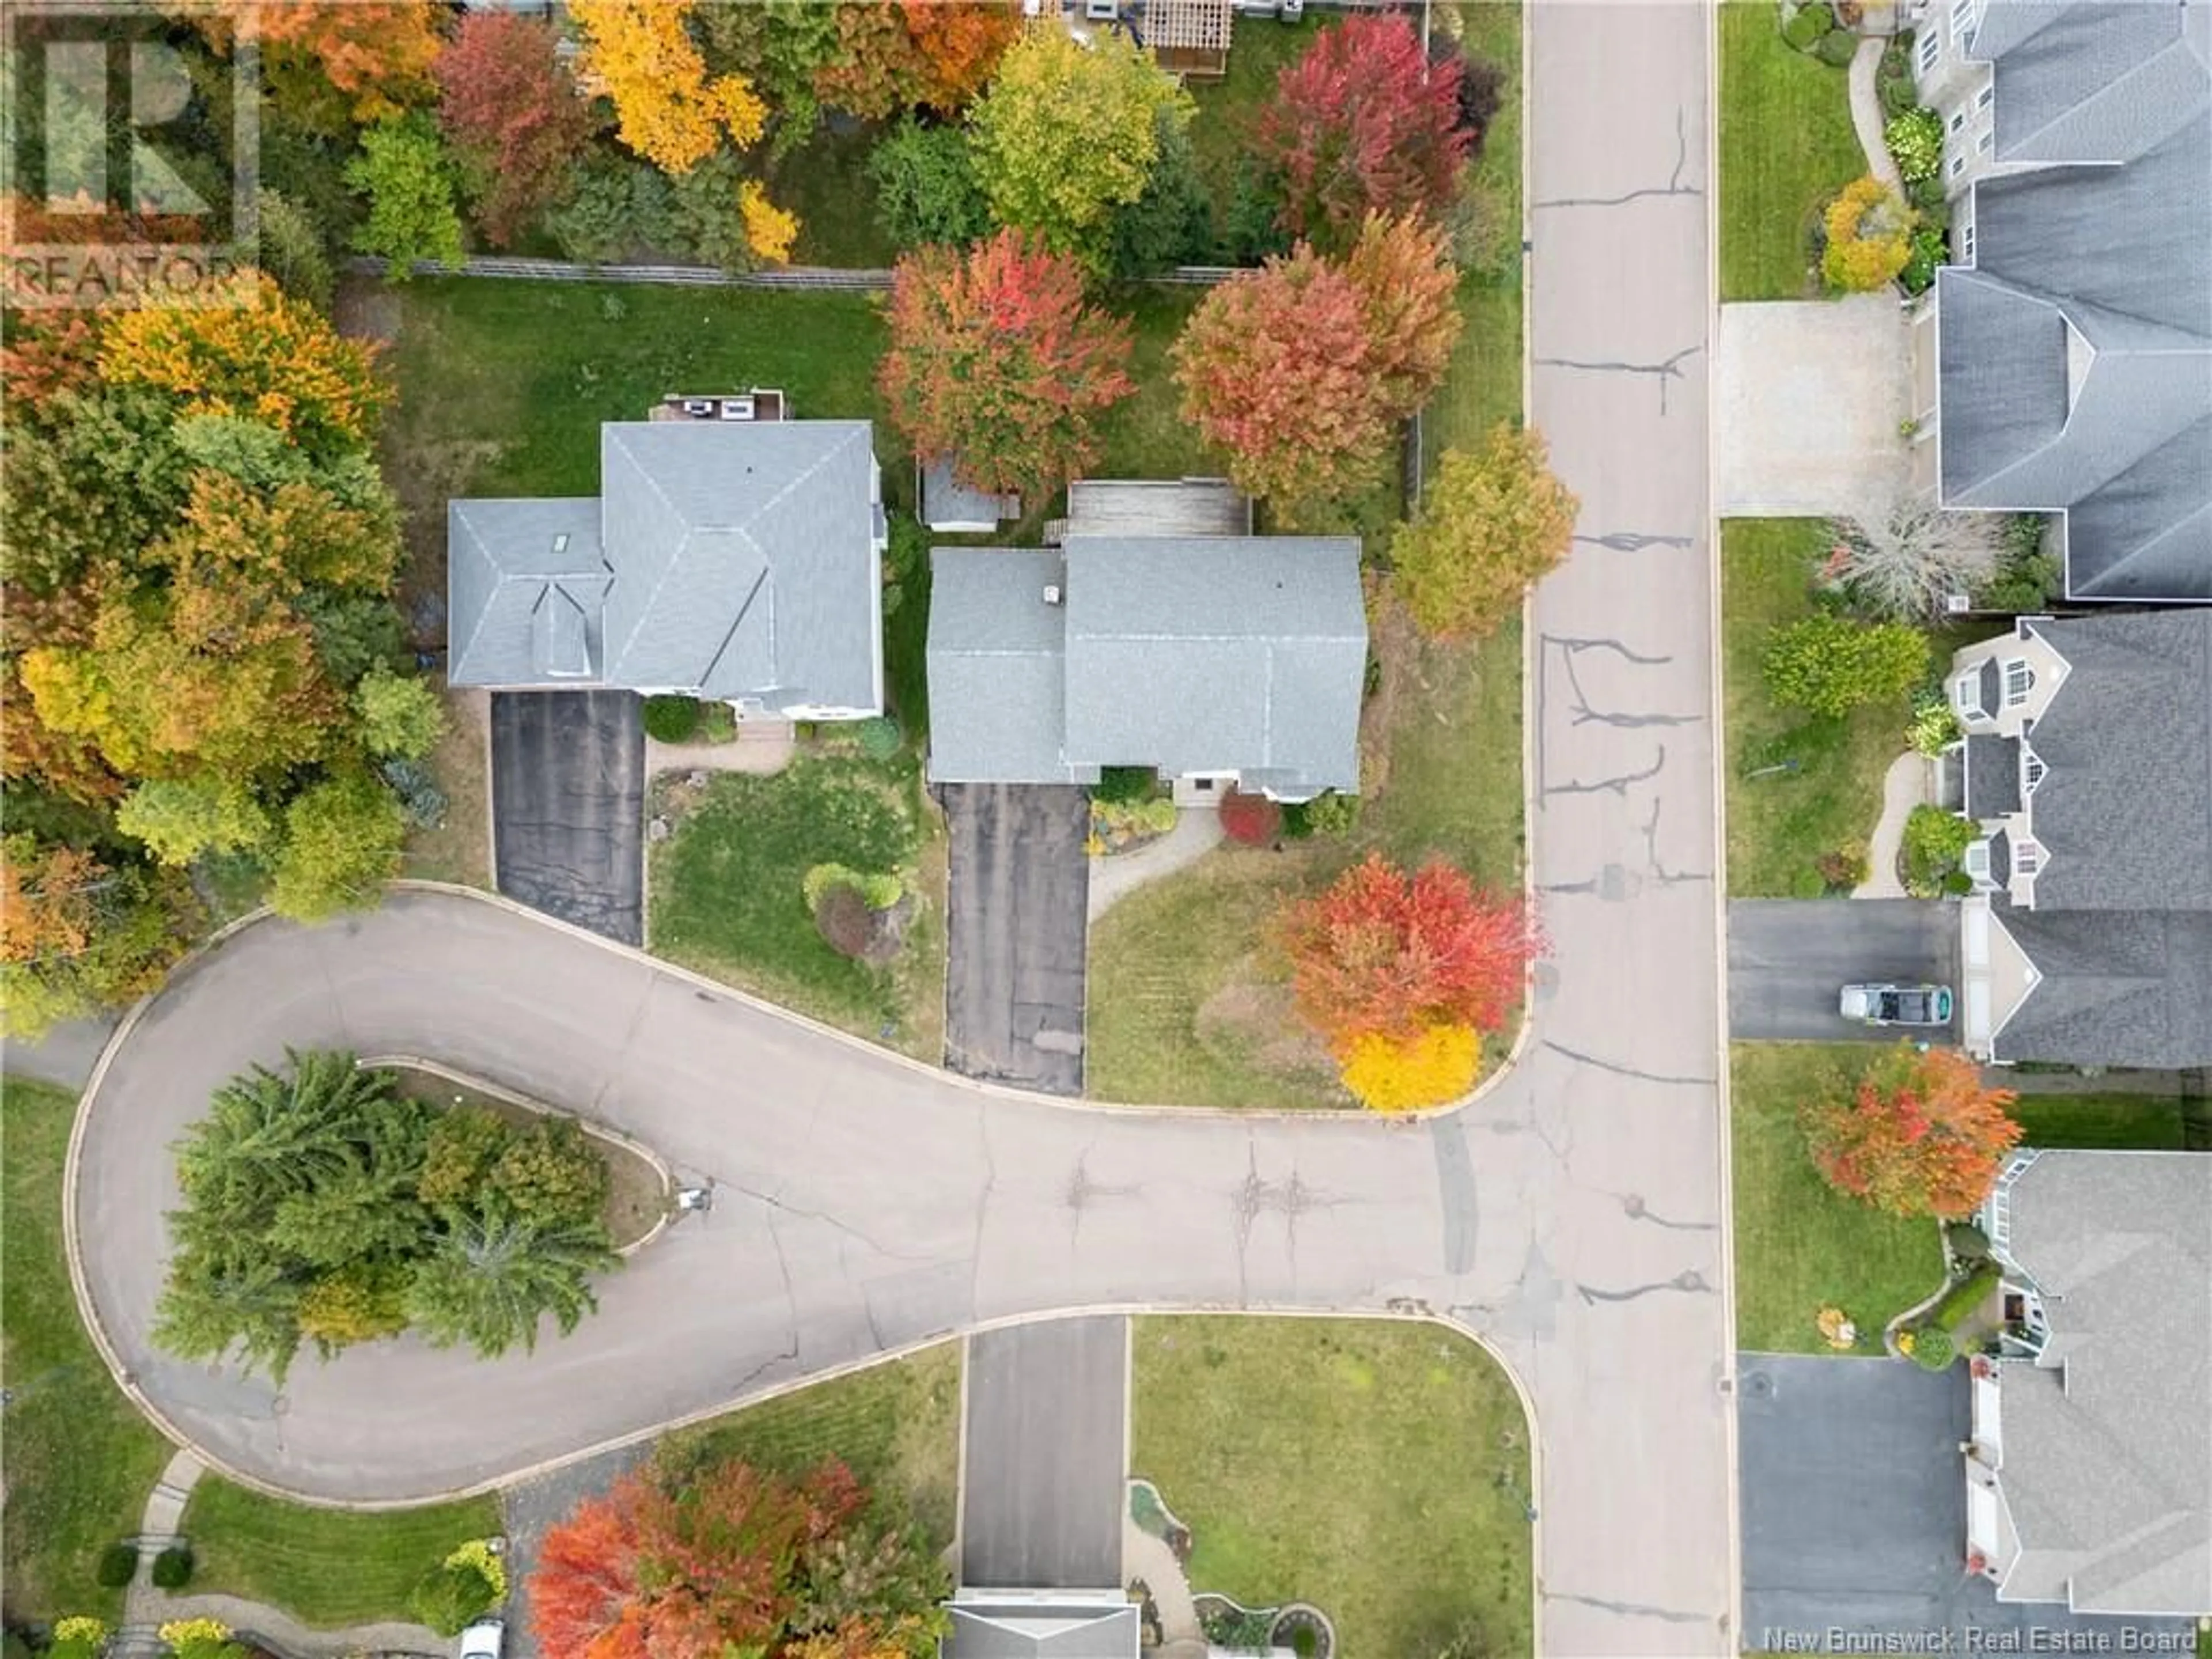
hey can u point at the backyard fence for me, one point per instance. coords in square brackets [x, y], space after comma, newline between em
[787, 276]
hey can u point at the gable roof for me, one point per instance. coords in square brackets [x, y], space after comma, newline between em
[1040, 1629]
[998, 668]
[1243, 653]
[2117, 988]
[2075, 354]
[2124, 812]
[2106, 1468]
[1992, 769]
[732, 559]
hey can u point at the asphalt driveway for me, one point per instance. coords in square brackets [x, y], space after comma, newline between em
[1019, 893]
[568, 803]
[1855, 1518]
[1045, 1455]
[1789, 958]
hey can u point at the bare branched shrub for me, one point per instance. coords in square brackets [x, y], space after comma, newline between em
[1902, 555]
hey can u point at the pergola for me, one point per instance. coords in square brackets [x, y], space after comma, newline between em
[1190, 37]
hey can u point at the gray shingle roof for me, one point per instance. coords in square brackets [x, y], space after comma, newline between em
[733, 559]
[2076, 354]
[2118, 987]
[1992, 775]
[2107, 1463]
[946, 502]
[2125, 810]
[1018, 1631]
[998, 668]
[513, 568]
[1217, 653]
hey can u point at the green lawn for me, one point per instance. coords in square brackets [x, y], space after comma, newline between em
[1780, 824]
[327, 1567]
[81, 1461]
[1377, 1470]
[895, 1425]
[1800, 1247]
[1144, 436]
[1258, 49]
[725, 893]
[1786, 146]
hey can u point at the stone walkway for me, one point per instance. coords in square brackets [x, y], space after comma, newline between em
[761, 749]
[1908, 783]
[147, 1607]
[1866, 111]
[1197, 832]
[1146, 1557]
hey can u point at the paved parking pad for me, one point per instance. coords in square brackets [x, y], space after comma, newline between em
[1019, 898]
[1045, 1455]
[569, 806]
[1787, 959]
[1854, 1516]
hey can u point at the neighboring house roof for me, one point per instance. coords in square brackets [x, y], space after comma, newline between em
[2115, 987]
[739, 561]
[2107, 1466]
[2076, 352]
[1019, 1629]
[1243, 654]
[2124, 812]
[998, 668]
[947, 504]
[1992, 774]
[1218, 653]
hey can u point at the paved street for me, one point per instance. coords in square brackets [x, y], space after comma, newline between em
[1045, 1455]
[1789, 959]
[1014, 951]
[569, 806]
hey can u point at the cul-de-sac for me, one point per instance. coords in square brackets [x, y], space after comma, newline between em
[1105, 828]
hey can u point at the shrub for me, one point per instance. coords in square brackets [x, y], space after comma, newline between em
[1915, 140]
[880, 736]
[1811, 25]
[1932, 1350]
[172, 1567]
[1125, 783]
[1935, 728]
[879, 892]
[843, 919]
[1933, 842]
[671, 720]
[449, 1597]
[1893, 79]
[1837, 48]
[1966, 1243]
[1869, 230]
[926, 187]
[416, 789]
[1390, 1076]
[1333, 814]
[1253, 820]
[477, 1552]
[1151, 818]
[80, 1637]
[1929, 248]
[1827, 664]
[1845, 868]
[119, 1566]
[550, 1173]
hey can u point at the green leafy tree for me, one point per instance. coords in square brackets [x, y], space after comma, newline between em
[400, 715]
[353, 633]
[403, 170]
[1065, 134]
[341, 842]
[551, 1174]
[362, 1302]
[178, 819]
[78, 934]
[465, 1142]
[291, 250]
[1828, 665]
[1171, 222]
[1493, 521]
[493, 1276]
[706, 208]
[925, 185]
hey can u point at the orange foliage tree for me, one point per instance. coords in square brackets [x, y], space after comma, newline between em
[1410, 293]
[1917, 1134]
[1388, 954]
[961, 42]
[271, 359]
[377, 53]
[996, 362]
[641, 54]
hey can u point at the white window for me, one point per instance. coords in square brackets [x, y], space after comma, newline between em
[1958, 120]
[1958, 164]
[2027, 858]
[1931, 45]
[2032, 769]
[1983, 144]
[1962, 16]
[1975, 860]
[1967, 243]
[1986, 96]
[2019, 681]
[1966, 697]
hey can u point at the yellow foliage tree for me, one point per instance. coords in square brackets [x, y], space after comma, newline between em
[1427, 1070]
[1870, 236]
[769, 230]
[641, 54]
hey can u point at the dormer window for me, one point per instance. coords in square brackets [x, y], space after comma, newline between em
[2019, 682]
[2026, 856]
[1975, 861]
[1974, 693]
[2032, 768]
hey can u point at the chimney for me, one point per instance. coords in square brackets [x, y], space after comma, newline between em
[1052, 594]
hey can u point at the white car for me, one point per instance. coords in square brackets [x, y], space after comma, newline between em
[483, 1640]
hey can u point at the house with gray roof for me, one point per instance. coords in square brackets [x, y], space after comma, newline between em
[733, 560]
[2087, 764]
[1220, 658]
[1027, 1624]
[2063, 358]
[2089, 1474]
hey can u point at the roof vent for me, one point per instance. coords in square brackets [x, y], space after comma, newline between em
[560, 544]
[1052, 595]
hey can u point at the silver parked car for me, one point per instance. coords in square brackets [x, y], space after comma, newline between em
[483, 1640]
[1897, 1004]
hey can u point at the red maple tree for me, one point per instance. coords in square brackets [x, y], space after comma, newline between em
[1917, 1134]
[996, 362]
[1277, 369]
[1362, 122]
[510, 111]
[1385, 953]
[962, 43]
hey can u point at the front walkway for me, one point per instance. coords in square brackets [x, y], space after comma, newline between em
[1811, 395]
[1867, 119]
[1197, 832]
[1907, 784]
